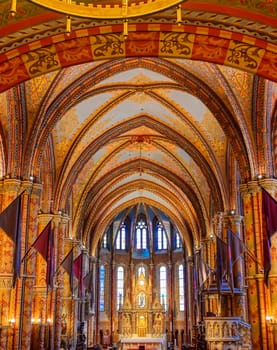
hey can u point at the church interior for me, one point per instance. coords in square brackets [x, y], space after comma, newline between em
[138, 174]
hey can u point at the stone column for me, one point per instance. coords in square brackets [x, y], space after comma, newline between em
[11, 306]
[16, 302]
[93, 300]
[150, 322]
[211, 300]
[90, 300]
[235, 226]
[205, 243]
[151, 281]
[41, 295]
[60, 227]
[189, 294]
[82, 299]
[113, 297]
[130, 286]
[240, 301]
[259, 296]
[97, 313]
[274, 332]
[170, 303]
[134, 323]
[30, 202]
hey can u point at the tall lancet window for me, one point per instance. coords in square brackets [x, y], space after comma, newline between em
[102, 288]
[181, 288]
[141, 271]
[105, 241]
[120, 286]
[120, 242]
[163, 286]
[178, 243]
[161, 237]
[141, 235]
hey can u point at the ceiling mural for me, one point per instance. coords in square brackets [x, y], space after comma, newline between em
[158, 112]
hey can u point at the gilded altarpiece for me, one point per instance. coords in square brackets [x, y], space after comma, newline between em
[144, 316]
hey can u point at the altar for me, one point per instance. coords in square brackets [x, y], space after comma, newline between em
[143, 343]
[141, 318]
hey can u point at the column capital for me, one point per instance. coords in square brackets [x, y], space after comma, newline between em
[233, 219]
[32, 188]
[10, 185]
[44, 218]
[61, 218]
[253, 187]
[217, 223]
[243, 188]
[92, 259]
[84, 251]
[37, 189]
[269, 184]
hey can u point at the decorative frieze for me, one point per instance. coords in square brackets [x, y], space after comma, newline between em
[230, 333]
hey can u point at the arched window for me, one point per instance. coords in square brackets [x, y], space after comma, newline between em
[141, 270]
[181, 288]
[163, 286]
[177, 243]
[141, 235]
[120, 286]
[102, 288]
[105, 241]
[161, 237]
[120, 242]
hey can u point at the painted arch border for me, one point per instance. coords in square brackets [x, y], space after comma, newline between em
[144, 40]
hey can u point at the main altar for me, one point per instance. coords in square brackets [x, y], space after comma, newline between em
[141, 319]
[143, 343]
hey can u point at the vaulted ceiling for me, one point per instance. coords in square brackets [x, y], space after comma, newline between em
[173, 115]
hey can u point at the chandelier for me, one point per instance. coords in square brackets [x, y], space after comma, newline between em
[106, 9]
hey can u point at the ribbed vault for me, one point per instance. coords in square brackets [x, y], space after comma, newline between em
[162, 117]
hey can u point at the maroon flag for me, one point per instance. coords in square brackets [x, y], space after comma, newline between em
[78, 273]
[41, 243]
[10, 222]
[203, 273]
[269, 212]
[195, 287]
[88, 281]
[221, 261]
[202, 268]
[230, 259]
[238, 247]
[88, 285]
[50, 259]
[44, 244]
[67, 264]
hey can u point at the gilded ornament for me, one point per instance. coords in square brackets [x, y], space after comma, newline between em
[101, 10]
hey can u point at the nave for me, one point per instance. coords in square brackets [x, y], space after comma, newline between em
[138, 174]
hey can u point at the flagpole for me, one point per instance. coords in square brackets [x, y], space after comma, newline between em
[27, 253]
[248, 252]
